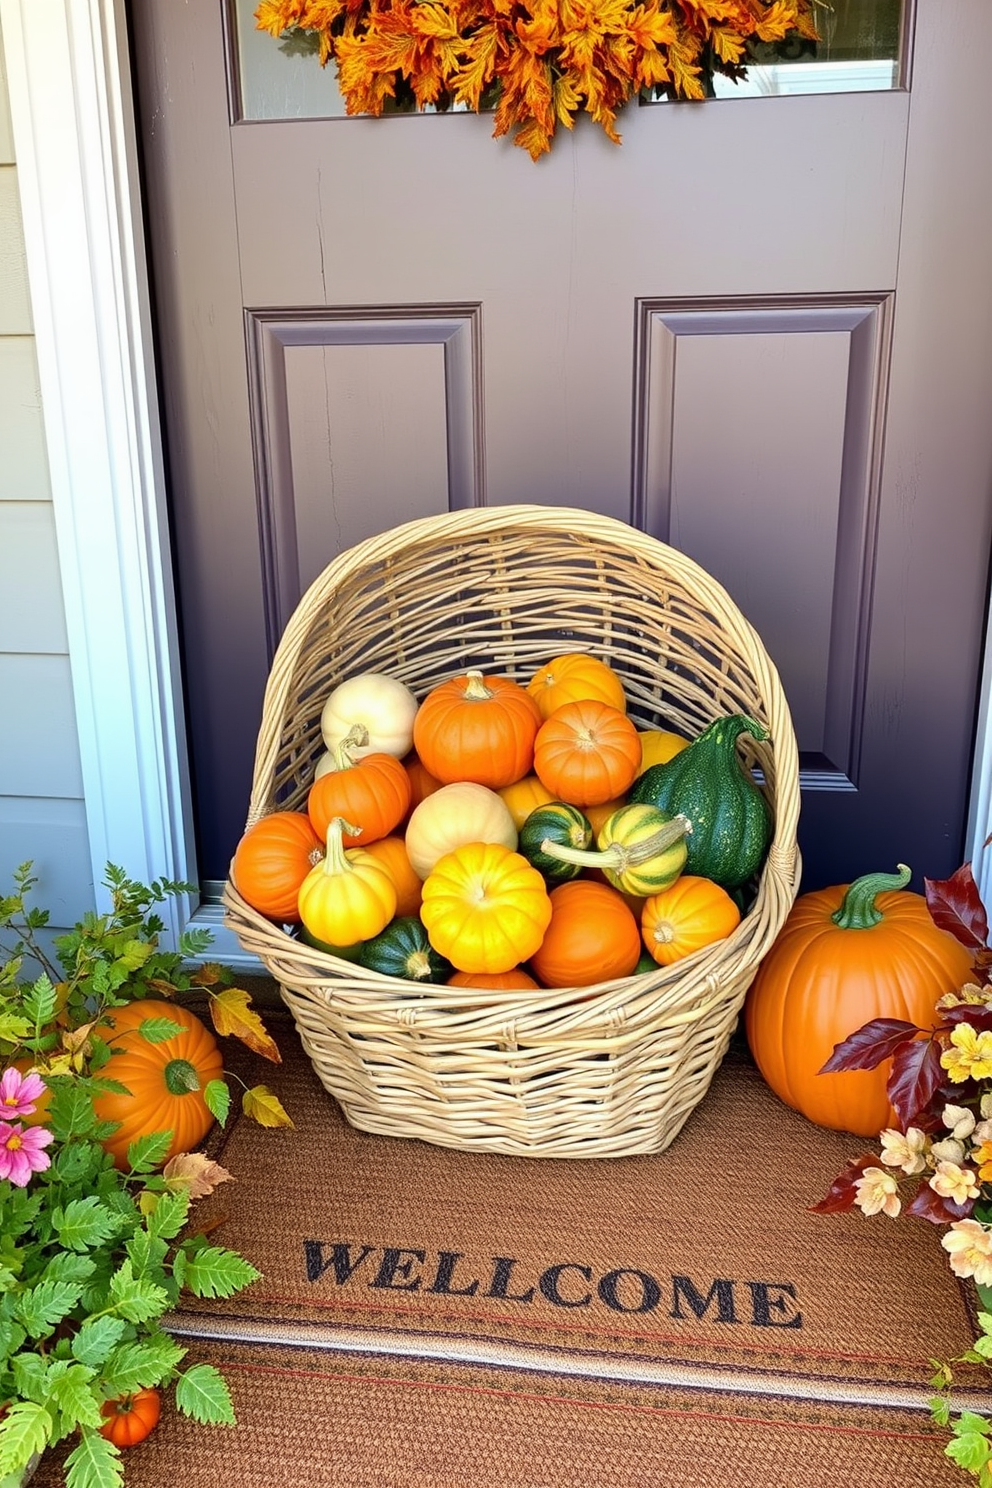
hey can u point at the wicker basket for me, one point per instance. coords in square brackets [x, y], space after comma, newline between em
[594, 1072]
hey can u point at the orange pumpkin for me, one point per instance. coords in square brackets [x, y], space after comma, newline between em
[693, 913]
[573, 678]
[515, 977]
[422, 782]
[130, 1418]
[392, 854]
[372, 794]
[165, 1080]
[587, 753]
[592, 937]
[478, 729]
[271, 861]
[847, 955]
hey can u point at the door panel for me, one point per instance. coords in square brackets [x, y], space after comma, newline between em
[739, 331]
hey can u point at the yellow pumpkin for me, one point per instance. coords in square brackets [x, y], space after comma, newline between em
[523, 797]
[485, 907]
[658, 746]
[350, 896]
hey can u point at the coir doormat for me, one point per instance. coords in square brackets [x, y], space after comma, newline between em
[697, 1269]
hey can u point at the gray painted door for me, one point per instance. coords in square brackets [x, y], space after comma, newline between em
[759, 329]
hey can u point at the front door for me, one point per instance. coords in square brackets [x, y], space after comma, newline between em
[757, 329]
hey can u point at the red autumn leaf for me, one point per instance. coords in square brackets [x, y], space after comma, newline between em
[841, 1194]
[979, 1015]
[956, 906]
[915, 1078]
[926, 1204]
[869, 1045]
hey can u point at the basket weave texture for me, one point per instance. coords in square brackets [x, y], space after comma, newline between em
[601, 1071]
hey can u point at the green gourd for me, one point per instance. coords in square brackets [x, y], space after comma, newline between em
[564, 825]
[403, 950]
[707, 783]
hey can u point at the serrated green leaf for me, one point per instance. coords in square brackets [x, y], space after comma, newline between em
[157, 1030]
[95, 1463]
[75, 1398]
[85, 1223]
[71, 1110]
[24, 1430]
[14, 1028]
[970, 1451]
[940, 1410]
[97, 1339]
[969, 1421]
[217, 1096]
[147, 1253]
[67, 1266]
[169, 1215]
[12, 1337]
[213, 1272]
[141, 1366]
[149, 1152]
[30, 1377]
[134, 1298]
[203, 1394]
[45, 1305]
[39, 1001]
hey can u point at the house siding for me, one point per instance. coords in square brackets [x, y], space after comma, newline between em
[42, 816]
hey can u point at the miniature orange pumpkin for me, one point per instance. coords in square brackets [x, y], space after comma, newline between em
[477, 728]
[592, 937]
[372, 793]
[587, 753]
[694, 912]
[573, 678]
[271, 861]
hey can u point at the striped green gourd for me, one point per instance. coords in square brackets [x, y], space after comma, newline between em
[403, 950]
[562, 825]
[641, 850]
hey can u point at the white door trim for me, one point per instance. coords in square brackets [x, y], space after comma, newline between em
[74, 137]
[75, 145]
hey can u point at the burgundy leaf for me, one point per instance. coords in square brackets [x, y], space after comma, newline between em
[915, 1076]
[955, 905]
[842, 1192]
[979, 1015]
[929, 1205]
[869, 1045]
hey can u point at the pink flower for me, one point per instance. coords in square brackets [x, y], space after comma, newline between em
[20, 1152]
[19, 1093]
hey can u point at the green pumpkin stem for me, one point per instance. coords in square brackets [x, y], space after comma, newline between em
[336, 859]
[859, 911]
[617, 857]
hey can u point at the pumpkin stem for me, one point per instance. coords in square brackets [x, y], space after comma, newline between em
[859, 910]
[343, 752]
[181, 1077]
[476, 690]
[618, 857]
[336, 860]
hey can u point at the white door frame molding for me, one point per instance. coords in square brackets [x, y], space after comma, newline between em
[75, 143]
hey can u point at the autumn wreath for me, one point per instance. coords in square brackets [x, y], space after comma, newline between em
[537, 64]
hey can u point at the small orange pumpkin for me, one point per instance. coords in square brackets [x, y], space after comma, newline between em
[130, 1418]
[693, 913]
[846, 955]
[587, 753]
[165, 1080]
[372, 793]
[573, 678]
[422, 782]
[592, 937]
[478, 729]
[392, 854]
[271, 861]
[516, 977]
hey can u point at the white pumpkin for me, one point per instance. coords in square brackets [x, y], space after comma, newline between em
[373, 701]
[450, 817]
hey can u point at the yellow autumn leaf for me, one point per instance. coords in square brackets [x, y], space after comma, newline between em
[233, 1014]
[264, 1107]
[475, 72]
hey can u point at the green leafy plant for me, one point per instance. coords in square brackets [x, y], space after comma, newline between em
[93, 1255]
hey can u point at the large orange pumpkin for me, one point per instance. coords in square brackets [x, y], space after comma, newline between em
[593, 936]
[587, 753]
[477, 728]
[847, 955]
[165, 1080]
[271, 861]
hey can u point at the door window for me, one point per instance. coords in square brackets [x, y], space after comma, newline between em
[862, 49]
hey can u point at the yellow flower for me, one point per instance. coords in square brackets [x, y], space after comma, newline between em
[969, 1245]
[983, 1156]
[971, 1055]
